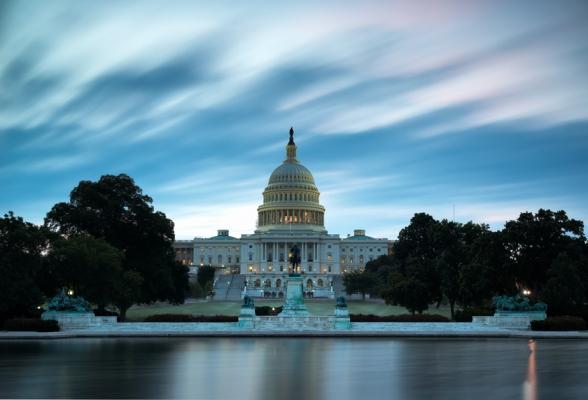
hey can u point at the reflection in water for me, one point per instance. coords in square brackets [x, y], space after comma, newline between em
[293, 368]
[530, 385]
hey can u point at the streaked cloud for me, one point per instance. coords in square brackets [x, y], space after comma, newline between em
[398, 106]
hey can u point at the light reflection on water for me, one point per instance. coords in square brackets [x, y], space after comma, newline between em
[294, 368]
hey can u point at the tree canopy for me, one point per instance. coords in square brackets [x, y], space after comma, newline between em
[22, 246]
[115, 210]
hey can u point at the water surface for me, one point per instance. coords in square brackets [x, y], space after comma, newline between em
[294, 368]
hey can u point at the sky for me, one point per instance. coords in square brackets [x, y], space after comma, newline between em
[473, 110]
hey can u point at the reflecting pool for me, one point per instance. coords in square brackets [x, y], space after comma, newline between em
[295, 368]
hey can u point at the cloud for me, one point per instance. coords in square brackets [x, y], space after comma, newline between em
[398, 107]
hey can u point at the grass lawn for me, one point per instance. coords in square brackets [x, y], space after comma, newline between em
[316, 307]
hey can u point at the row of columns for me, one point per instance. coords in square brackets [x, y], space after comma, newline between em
[274, 248]
[291, 216]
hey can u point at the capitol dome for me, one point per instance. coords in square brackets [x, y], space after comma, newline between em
[291, 196]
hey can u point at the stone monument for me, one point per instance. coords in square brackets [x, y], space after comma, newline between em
[342, 320]
[294, 300]
[514, 312]
[73, 312]
[247, 313]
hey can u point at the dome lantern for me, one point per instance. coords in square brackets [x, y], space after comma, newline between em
[291, 196]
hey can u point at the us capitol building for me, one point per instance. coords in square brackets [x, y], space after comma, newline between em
[291, 214]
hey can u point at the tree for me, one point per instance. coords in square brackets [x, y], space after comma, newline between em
[406, 292]
[127, 291]
[205, 278]
[22, 246]
[458, 259]
[87, 265]
[416, 252]
[116, 210]
[565, 289]
[533, 241]
[364, 282]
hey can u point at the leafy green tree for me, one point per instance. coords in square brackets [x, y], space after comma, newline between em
[406, 292]
[87, 265]
[565, 289]
[115, 209]
[127, 291]
[364, 282]
[458, 244]
[205, 278]
[416, 252]
[533, 241]
[22, 246]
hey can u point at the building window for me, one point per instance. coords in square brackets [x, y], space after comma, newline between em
[229, 259]
[257, 283]
[278, 283]
[329, 246]
[250, 268]
[209, 260]
[342, 260]
[320, 283]
[268, 283]
[237, 259]
[310, 268]
[329, 268]
[329, 257]
[220, 259]
[270, 268]
[250, 256]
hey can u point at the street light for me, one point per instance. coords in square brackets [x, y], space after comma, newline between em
[70, 292]
[526, 292]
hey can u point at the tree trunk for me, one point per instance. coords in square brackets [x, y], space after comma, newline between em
[123, 312]
[452, 306]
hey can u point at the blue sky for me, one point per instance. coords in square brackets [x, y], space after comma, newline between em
[399, 107]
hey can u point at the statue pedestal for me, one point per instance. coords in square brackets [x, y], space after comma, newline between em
[342, 320]
[294, 301]
[247, 317]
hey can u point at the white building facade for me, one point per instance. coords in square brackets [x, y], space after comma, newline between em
[291, 214]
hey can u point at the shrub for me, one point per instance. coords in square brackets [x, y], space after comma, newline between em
[31, 324]
[195, 290]
[190, 318]
[398, 318]
[563, 323]
[466, 314]
[267, 310]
